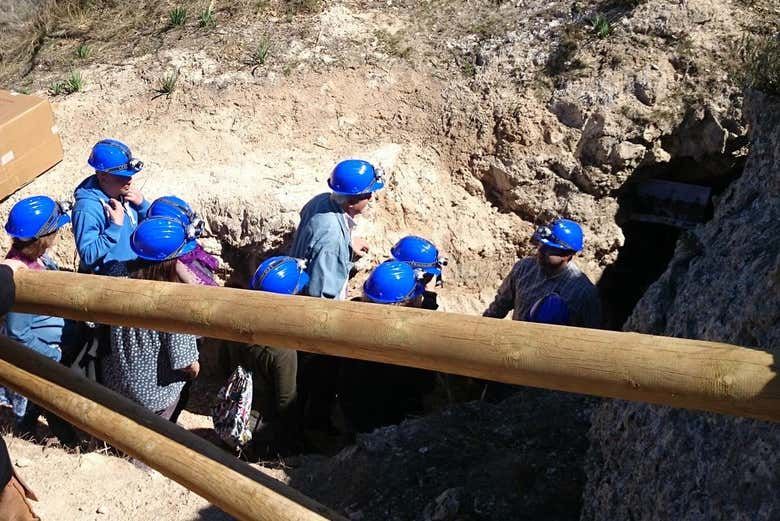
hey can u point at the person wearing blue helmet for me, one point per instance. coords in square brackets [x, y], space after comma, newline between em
[374, 394]
[324, 236]
[419, 253]
[422, 254]
[193, 267]
[325, 241]
[108, 208]
[33, 224]
[197, 266]
[275, 417]
[551, 271]
[151, 367]
[394, 282]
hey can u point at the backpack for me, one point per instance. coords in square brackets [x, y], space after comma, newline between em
[231, 413]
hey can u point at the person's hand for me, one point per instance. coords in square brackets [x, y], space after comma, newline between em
[116, 212]
[14, 264]
[134, 196]
[192, 370]
[359, 246]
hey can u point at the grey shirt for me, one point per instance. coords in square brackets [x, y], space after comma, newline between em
[323, 239]
[527, 283]
[143, 365]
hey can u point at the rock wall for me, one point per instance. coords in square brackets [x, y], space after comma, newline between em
[723, 284]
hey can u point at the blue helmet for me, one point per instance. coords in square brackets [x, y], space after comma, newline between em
[355, 177]
[550, 309]
[161, 238]
[393, 282]
[114, 157]
[34, 217]
[281, 274]
[419, 253]
[561, 234]
[179, 209]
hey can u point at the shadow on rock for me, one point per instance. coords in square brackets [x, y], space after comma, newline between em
[520, 459]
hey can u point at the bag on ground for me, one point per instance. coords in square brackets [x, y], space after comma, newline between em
[231, 414]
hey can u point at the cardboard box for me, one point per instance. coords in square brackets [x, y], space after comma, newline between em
[29, 142]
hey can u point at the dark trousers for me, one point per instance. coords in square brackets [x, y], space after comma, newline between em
[319, 385]
[64, 431]
[373, 394]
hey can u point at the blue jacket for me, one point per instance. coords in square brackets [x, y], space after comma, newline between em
[41, 333]
[102, 244]
[323, 239]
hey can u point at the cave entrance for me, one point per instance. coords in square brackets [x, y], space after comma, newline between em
[655, 207]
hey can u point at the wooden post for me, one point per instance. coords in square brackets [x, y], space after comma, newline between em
[234, 486]
[678, 372]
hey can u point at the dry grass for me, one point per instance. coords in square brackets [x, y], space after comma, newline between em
[56, 28]
[760, 63]
[81, 21]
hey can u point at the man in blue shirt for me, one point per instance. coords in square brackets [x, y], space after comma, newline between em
[324, 235]
[324, 240]
[107, 210]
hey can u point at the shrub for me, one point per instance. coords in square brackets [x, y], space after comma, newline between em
[760, 63]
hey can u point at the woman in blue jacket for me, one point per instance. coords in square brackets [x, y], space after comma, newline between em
[33, 225]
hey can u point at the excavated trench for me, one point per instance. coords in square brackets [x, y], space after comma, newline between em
[656, 205]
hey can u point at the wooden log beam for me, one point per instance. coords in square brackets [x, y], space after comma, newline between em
[234, 486]
[691, 374]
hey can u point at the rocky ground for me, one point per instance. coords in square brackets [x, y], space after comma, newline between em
[489, 117]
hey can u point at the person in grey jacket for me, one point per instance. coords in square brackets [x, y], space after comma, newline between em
[324, 235]
[324, 240]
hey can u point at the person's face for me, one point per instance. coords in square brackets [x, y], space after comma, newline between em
[358, 204]
[114, 186]
[552, 260]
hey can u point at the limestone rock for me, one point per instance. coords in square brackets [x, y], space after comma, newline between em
[723, 284]
[569, 112]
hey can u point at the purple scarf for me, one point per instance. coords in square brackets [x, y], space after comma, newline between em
[201, 264]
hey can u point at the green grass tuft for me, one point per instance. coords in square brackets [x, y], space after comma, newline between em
[260, 53]
[177, 16]
[168, 83]
[74, 82]
[83, 51]
[57, 88]
[601, 26]
[206, 19]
